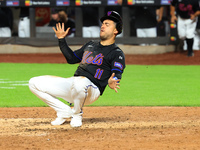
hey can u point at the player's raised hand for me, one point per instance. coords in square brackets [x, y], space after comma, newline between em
[113, 83]
[60, 32]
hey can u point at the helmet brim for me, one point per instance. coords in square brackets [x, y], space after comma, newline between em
[109, 18]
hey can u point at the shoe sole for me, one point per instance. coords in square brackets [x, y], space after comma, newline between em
[75, 126]
[58, 123]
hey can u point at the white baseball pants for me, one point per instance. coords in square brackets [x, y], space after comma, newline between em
[146, 32]
[77, 90]
[24, 27]
[186, 28]
[196, 45]
[92, 31]
[5, 32]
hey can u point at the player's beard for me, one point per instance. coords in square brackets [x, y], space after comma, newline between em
[104, 37]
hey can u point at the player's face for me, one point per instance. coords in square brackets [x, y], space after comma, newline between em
[108, 30]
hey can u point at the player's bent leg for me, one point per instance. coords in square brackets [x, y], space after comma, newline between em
[190, 28]
[190, 34]
[190, 47]
[27, 28]
[76, 120]
[83, 92]
[181, 27]
[47, 88]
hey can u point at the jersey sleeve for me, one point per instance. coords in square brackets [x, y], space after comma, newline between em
[67, 52]
[118, 63]
[79, 53]
[72, 57]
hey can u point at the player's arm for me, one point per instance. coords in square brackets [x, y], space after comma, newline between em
[113, 83]
[197, 13]
[172, 13]
[159, 13]
[118, 65]
[193, 16]
[70, 56]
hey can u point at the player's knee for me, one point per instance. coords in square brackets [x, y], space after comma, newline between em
[182, 37]
[190, 36]
[79, 88]
[32, 82]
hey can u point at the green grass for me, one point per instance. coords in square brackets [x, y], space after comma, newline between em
[141, 85]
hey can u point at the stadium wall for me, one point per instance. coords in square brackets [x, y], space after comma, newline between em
[128, 49]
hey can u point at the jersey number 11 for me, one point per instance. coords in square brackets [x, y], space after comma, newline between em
[99, 73]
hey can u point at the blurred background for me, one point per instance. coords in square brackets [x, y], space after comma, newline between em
[145, 23]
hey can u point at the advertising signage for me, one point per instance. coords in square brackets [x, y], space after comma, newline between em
[56, 3]
[148, 2]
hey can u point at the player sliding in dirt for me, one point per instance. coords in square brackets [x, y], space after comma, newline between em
[101, 64]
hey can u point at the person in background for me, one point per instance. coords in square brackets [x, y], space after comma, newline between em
[68, 23]
[161, 27]
[6, 22]
[54, 17]
[185, 12]
[146, 20]
[60, 16]
[91, 24]
[196, 45]
[24, 23]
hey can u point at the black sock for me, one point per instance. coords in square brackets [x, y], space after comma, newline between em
[190, 45]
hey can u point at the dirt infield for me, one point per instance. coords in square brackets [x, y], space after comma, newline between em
[104, 128]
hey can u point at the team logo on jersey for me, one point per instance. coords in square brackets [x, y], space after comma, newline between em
[118, 65]
[187, 8]
[97, 60]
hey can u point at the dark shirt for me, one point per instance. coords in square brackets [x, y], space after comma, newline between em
[97, 62]
[198, 23]
[70, 23]
[185, 8]
[90, 16]
[24, 12]
[52, 23]
[6, 17]
[145, 16]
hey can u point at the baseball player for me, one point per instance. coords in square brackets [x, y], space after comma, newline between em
[24, 23]
[187, 12]
[101, 64]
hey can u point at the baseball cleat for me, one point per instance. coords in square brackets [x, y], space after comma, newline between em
[76, 120]
[190, 54]
[58, 121]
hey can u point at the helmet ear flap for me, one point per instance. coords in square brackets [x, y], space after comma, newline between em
[119, 27]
